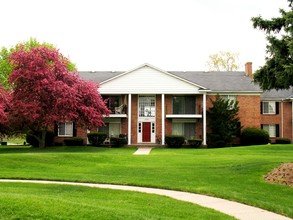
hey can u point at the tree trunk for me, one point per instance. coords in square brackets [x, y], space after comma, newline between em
[42, 141]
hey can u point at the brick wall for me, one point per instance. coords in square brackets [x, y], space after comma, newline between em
[134, 105]
[80, 133]
[168, 110]
[158, 116]
[285, 110]
[287, 120]
[249, 114]
[249, 109]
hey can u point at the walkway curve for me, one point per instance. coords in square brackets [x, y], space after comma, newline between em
[235, 209]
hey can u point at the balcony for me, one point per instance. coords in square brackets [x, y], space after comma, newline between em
[183, 116]
[184, 107]
[118, 112]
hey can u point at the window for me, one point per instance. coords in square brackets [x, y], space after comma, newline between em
[111, 129]
[65, 129]
[184, 104]
[273, 130]
[270, 107]
[185, 129]
[147, 106]
[232, 100]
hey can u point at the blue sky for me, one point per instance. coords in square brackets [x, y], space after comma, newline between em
[121, 35]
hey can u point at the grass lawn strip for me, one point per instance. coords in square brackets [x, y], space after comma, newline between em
[50, 201]
[237, 210]
[230, 173]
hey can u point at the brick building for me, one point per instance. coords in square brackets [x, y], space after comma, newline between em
[148, 103]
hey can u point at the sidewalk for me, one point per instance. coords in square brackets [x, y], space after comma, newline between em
[238, 210]
[143, 151]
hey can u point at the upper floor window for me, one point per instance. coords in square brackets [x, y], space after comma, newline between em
[65, 129]
[184, 104]
[270, 107]
[232, 100]
[147, 106]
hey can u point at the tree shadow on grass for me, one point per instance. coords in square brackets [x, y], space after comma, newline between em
[52, 149]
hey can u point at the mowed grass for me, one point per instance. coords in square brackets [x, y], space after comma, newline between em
[231, 173]
[38, 201]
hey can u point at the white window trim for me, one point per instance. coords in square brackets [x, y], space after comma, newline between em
[66, 124]
[230, 98]
[274, 108]
[272, 130]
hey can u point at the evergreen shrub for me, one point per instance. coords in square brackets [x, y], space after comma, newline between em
[174, 141]
[254, 136]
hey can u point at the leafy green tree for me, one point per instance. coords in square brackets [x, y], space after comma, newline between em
[6, 66]
[277, 72]
[223, 61]
[223, 122]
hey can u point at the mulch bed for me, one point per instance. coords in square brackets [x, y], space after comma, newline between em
[281, 175]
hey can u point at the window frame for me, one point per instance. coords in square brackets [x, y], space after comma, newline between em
[66, 129]
[273, 106]
[272, 129]
[146, 106]
[230, 98]
[183, 126]
[185, 110]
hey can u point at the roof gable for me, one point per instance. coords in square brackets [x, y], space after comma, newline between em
[147, 79]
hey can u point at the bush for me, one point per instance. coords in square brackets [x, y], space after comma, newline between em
[174, 141]
[216, 141]
[117, 142]
[30, 138]
[254, 136]
[195, 142]
[283, 141]
[96, 138]
[73, 141]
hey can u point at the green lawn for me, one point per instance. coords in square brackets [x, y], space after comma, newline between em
[232, 173]
[37, 201]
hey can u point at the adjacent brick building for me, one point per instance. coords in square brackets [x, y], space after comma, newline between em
[148, 103]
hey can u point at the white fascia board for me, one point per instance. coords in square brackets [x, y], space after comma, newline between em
[115, 116]
[153, 67]
[235, 92]
[183, 116]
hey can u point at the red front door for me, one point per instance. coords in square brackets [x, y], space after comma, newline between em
[146, 132]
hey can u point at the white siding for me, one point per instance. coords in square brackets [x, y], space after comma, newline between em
[147, 80]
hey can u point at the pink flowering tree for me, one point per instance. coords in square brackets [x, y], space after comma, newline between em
[4, 108]
[45, 92]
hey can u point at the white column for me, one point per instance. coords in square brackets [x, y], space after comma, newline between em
[204, 120]
[163, 119]
[129, 119]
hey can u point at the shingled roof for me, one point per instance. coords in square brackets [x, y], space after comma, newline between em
[98, 76]
[236, 82]
[214, 81]
[220, 81]
[277, 94]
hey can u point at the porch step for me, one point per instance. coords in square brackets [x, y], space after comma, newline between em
[143, 150]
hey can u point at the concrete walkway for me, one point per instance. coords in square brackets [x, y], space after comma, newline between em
[238, 210]
[143, 151]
